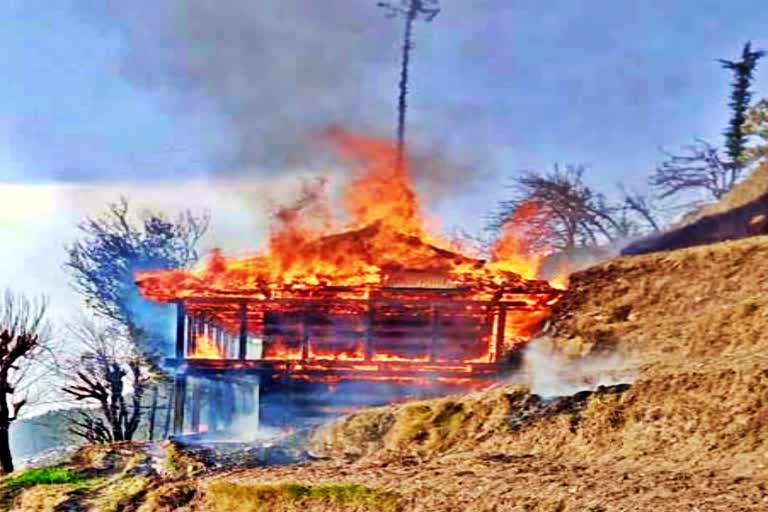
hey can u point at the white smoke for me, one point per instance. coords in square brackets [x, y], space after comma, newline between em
[550, 374]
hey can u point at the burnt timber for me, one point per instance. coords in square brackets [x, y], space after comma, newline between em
[436, 335]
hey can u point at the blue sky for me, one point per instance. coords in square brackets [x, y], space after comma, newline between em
[138, 92]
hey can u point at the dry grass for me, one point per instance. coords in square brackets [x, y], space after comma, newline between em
[116, 494]
[223, 496]
[414, 429]
[702, 305]
[690, 433]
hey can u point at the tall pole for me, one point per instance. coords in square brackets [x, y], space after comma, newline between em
[411, 10]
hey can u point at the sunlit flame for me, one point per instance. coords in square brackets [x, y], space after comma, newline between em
[206, 348]
[522, 245]
[384, 245]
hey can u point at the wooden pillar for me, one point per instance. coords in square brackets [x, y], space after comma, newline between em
[214, 404]
[227, 403]
[197, 395]
[501, 323]
[191, 334]
[153, 412]
[180, 320]
[369, 331]
[179, 397]
[243, 345]
[435, 328]
[304, 337]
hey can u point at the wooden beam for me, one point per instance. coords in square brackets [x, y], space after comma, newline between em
[197, 395]
[434, 319]
[502, 320]
[369, 332]
[180, 320]
[179, 397]
[243, 341]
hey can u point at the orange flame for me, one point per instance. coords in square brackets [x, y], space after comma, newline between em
[385, 245]
[206, 348]
[522, 244]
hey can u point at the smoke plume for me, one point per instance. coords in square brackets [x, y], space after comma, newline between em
[279, 73]
[550, 374]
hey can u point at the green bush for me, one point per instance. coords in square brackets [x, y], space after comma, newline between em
[42, 476]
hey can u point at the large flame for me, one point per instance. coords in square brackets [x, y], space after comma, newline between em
[385, 234]
[523, 241]
[383, 253]
[206, 348]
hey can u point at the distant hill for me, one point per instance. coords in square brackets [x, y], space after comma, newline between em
[31, 436]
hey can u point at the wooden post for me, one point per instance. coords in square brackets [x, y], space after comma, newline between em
[168, 411]
[304, 337]
[434, 320]
[191, 334]
[180, 318]
[242, 352]
[153, 412]
[180, 395]
[197, 392]
[501, 320]
[369, 332]
[214, 405]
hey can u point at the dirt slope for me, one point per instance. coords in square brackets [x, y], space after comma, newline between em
[690, 432]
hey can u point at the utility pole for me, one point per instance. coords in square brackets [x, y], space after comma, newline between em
[411, 10]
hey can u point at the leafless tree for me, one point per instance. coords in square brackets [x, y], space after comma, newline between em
[640, 205]
[570, 213]
[23, 337]
[115, 245]
[118, 243]
[701, 169]
[111, 375]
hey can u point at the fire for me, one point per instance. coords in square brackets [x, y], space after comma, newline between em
[311, 293]
[385, 232]
[206, 348]
[522, 244]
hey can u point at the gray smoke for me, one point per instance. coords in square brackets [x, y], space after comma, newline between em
[549, 374]
[278, 72]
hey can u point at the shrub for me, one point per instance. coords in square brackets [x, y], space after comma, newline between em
[43, 476]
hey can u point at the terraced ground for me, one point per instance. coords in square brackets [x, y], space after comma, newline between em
[687, 330]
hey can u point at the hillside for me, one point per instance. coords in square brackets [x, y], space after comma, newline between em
[683, 424]
[754, 186]
[741, 213]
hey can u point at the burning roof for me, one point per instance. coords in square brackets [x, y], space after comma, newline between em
[370, 257]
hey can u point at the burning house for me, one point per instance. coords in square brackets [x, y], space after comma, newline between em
[381, 301]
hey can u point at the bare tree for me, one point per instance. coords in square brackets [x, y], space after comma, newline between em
[110, 374]
[700, 169]
[23, 336]
[411, 10]
[569, 212]
[112, 248]
[117, 244]
[640, 205]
